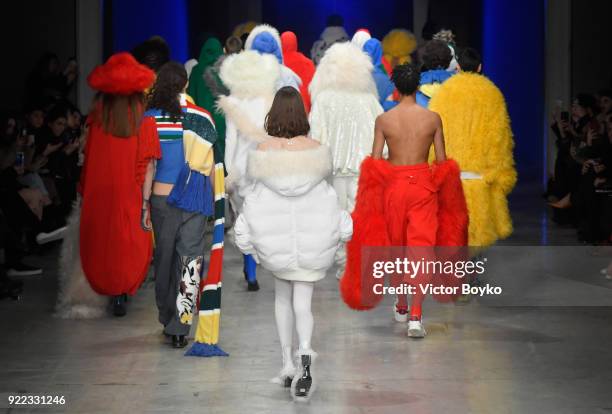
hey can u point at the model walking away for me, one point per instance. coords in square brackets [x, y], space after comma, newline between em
[279, 227]
[116, 180]
[422, 206]
[182, 199]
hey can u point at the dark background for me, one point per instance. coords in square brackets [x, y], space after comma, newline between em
[510, 33]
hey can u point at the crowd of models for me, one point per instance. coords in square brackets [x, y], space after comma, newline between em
[317, 159]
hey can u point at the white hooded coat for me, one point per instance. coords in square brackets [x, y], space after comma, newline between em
[251, 79]
[344, 106]
[287, 76]
[292, 222]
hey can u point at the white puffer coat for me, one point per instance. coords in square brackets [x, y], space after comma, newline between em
[291, 221]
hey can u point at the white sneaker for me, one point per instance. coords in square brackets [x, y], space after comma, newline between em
[416, 329]
[400, 315]
[57, 234]
[606, 274]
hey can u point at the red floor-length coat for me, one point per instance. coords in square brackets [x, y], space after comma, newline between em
[115, 250]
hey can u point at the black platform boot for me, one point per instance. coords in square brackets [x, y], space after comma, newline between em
[303, 384]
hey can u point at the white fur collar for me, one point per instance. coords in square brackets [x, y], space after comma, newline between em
[344, 67]
[315, 163]
[249, 74]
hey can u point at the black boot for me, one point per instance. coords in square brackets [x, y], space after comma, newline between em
[303, 383]
[302, 387]
[179, 341]
[119, 307]
[252, 286]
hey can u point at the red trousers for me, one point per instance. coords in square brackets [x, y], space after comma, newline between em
[411, 212]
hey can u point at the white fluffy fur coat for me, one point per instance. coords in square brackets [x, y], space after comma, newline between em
[76, 299]
[344, 106]
[251, 79]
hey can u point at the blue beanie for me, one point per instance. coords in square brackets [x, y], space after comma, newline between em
[265, 43]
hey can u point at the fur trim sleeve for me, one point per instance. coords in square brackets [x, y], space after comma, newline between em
[369, 229]
[239, 120]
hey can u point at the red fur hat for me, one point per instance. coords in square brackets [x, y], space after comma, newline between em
[121, 75]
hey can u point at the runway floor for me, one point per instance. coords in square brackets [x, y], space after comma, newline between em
[477, 358]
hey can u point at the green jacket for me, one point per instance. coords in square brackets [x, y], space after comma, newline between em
[201, 91]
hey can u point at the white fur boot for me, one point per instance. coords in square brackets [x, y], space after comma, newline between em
[304, 383]
[285, 376]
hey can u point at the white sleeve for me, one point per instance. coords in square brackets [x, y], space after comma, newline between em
[315, 119]
[231, 138]
[346, 226]
[242, 237]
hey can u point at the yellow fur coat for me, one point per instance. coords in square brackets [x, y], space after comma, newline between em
[478, 136]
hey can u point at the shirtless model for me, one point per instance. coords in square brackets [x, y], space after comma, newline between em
[410, 199]
[403, 201]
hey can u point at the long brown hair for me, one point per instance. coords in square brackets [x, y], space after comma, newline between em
[287, 117]
[165, 93]
[119, 115]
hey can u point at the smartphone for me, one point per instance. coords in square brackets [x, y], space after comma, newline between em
[20, 159]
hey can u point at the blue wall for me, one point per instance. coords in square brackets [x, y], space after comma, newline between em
[513, 53]
[134, 21]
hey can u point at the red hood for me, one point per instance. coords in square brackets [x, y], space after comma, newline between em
[298, 63]
[289, 42]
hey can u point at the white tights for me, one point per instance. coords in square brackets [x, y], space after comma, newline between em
[290, 298]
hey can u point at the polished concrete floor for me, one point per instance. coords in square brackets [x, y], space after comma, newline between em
[478, 358]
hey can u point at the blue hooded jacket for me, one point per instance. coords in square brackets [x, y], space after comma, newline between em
[384, 86]
[428, 84]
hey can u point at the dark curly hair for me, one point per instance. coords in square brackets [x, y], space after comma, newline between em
[153, 52]
[436, 55]
[170, 82]
[406, 78]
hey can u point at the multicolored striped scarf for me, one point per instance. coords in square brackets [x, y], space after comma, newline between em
[207, 332]
[192, 191]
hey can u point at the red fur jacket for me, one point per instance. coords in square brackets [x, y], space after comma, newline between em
[369, 227]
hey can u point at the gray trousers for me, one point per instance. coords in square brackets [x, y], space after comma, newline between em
[178, 260]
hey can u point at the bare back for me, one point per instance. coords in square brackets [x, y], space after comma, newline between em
[409, 131]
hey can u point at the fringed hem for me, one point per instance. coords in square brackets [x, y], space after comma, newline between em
[205, 350]
[192, 192]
